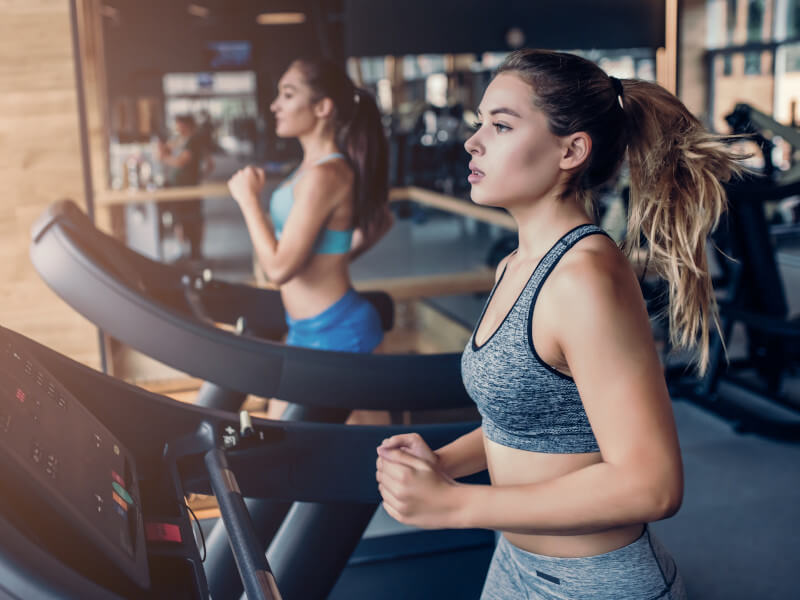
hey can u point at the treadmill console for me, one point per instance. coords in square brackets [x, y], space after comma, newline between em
[72, 485]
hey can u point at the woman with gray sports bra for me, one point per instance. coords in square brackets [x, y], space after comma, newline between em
[332, 208]
[577, 428]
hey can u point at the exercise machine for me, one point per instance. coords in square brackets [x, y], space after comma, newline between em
[95, 472]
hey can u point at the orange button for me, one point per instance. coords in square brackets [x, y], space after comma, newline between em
[119, 501]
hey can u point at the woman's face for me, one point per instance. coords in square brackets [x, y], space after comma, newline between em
[515, 157]
[293, 107]
[183, 129]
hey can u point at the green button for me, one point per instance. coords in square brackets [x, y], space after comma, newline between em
[122, 492]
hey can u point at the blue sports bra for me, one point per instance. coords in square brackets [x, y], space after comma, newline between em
[330, 241]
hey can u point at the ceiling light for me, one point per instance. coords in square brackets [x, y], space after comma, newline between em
[281, 18]
[198, 11]
[109, 11]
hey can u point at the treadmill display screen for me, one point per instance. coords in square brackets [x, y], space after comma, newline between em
[65, 458]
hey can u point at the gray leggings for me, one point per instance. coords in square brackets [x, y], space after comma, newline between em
[642, 570]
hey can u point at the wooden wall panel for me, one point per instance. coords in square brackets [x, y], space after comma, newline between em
[40, 161]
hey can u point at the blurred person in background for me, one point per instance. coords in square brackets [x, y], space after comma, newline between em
[187, 159]
[332, 208]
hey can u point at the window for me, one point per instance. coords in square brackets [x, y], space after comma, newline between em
[792, 58]
[752, 63]
[730, 21]
[792, 18]
[727, 64]
[755, 20]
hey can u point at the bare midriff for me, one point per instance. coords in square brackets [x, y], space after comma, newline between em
[323, 281]
[512, 466]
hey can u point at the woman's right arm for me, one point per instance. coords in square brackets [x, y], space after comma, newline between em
[314, 199]
[461, 457]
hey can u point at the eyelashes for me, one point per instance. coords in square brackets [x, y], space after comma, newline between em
[499, 127]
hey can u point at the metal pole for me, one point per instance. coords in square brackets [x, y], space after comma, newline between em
[257, 577]
[84, 141]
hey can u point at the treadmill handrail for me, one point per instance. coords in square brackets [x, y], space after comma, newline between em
[152, 426]
[259, 583]
[238, 362]
[301, 461]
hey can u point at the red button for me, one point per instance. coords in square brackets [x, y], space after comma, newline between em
[117, 478]
[163, 532]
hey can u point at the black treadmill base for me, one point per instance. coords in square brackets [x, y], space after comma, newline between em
[419, 565]
[458, 574]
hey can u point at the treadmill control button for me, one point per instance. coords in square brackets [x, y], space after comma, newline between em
[120, 502]
[115, 476]
[122, 492]
[162, 532]
[229, 437]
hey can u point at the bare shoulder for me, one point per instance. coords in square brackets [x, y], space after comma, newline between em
[329, 176]
[594, 275]
[326, 186]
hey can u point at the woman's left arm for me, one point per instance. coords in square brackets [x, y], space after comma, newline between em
[604, 334]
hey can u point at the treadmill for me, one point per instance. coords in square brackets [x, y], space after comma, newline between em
[95, 473]
[163, 310]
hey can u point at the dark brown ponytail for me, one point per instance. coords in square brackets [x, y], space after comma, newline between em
[359, 134]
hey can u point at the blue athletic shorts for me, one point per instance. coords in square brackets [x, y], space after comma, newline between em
[642, 570]
[351, 324]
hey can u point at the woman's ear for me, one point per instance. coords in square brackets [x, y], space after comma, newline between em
[324, 108]
[575, 150]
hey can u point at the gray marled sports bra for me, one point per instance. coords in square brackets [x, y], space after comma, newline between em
[524, 402]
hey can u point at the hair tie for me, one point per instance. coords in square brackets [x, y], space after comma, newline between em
[618, 89]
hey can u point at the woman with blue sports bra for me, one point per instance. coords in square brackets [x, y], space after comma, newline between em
[332, 208]
[577, 430]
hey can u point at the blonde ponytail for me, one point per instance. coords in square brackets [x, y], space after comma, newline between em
[677, 198]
